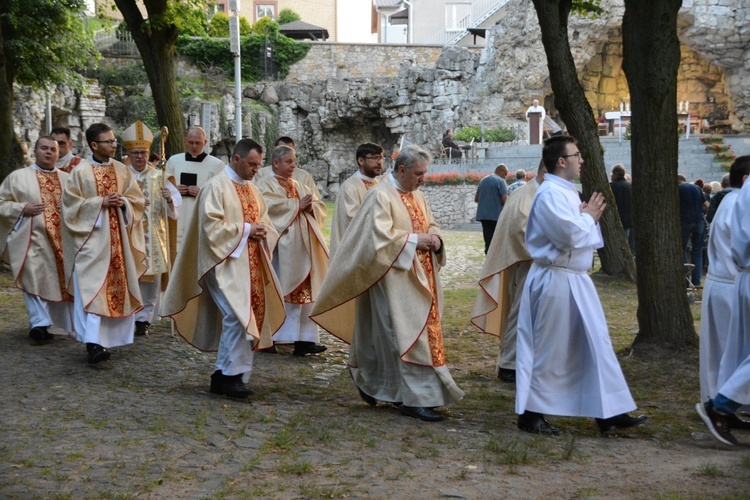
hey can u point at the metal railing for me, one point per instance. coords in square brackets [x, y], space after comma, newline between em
[116, 43]
[481, 10]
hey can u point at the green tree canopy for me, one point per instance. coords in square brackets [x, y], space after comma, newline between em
[288, 16]
[219, 26]
[190, 20]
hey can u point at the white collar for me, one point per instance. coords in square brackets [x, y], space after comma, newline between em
[37, 167]
[233, 176]
[364, 177]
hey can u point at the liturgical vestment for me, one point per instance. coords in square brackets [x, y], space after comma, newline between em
[33, 245]
[348, 201]
[565, 364]
[384, 297]
[217, 246]
[104, 251]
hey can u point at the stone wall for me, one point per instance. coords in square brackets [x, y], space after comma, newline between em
[451, 205]
[347, 60]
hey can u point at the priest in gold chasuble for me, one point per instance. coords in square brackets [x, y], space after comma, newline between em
[383, 295]
[369, 159]
[163, 202]
[103, 246]
[301, 256]
[31, 241]
[223, 294]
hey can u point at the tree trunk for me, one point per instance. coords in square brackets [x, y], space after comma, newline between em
[10, 149]
[578, 116]
[651, 53]
[156, 43]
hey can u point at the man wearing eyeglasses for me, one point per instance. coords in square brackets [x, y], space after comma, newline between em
[565, 364]
[369, 159]
[160, 216]
[103, 246]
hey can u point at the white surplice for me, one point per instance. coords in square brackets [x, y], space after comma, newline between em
[565, 364]
[718, 295]
[734, 371]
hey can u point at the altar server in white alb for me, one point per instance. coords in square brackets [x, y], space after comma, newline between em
[733, 379]
[565, 364]
[160, 216]
[31, 240]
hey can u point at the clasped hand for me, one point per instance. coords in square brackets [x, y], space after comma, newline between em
[429, 242]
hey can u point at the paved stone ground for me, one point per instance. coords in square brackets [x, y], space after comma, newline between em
[144, 425]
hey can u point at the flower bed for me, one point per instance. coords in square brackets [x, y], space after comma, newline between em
[712, 139]
[452, 179]
[723, 153]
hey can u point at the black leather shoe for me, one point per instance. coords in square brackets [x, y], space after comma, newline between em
[270, 350]
[233, 387]
[735, 422]
[619, 422]
[535, 423]
[97, 353]
[217, 380]
[40, 334]
[305, 348]
[141, 328]
[506, 375]
[367, 398]
[422, 413]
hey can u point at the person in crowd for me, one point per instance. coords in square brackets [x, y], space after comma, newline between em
[536, 108]
[300, 174]
[490, 198]
[66, 159]
[383, 295]
[623, 193]
[452, 148]
[520, 180]
[713, 205]
[692, 206]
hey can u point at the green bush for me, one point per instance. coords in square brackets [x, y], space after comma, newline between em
[133, 74]
[219, 26]
[288, 16]
[208, 52]
[265, 25]
[499, 134]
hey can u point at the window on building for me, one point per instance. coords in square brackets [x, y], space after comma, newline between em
[457, 16]
[265, 9]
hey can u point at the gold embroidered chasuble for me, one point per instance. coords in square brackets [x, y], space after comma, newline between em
[33, 248]
[508, 248]
[108, 259]
[302, 251]
[248, 282]
[348, 201]
[366, 257]
[159, 231]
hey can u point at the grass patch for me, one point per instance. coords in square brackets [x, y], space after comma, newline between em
[711, 470]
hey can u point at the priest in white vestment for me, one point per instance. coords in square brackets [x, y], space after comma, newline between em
[383, 295]
[536, 108]
[503, 276]
[733, 380]
[300, 174]
[369, 159]
[31, 241]
[163, 202]
[223, 294]
[301, 255]
[565, 364]
[191, 170]
[103, 246]
[66, 160]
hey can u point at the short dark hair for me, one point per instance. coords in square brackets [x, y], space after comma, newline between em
[95, 130]
[153, 157]
[60, 130]
[368, 148]
[244, 146]
[619, 171]
[554, 148]
[739, 169]
[284, 140]
[46, 138]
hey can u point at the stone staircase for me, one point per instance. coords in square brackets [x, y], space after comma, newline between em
[693, 160]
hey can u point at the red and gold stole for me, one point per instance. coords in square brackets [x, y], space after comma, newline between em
[117, 280]
[251, 214]
[434, 330]
[369, 184]
[51, 191]
[303, 293]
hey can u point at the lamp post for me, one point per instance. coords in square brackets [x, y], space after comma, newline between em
[234, 42]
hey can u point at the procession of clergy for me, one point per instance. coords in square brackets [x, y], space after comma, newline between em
[101, 250]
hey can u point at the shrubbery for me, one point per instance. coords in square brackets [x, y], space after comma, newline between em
[499, 134]
[134, 74]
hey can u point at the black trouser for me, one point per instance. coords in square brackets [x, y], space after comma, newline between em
[488, 229]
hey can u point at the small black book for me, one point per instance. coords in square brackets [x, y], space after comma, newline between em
[187, 179]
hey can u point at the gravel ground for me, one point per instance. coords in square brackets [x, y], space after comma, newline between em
[144, 425]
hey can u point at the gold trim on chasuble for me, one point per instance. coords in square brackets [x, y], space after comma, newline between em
[117, 281]
[434, 330]
[251, 214]
[369, 184]
[51, 191]
[154, 221]
[303, 293]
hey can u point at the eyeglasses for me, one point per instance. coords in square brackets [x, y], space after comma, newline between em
[376, 158]
[138, 153]
[578, 154]
[111, 142]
